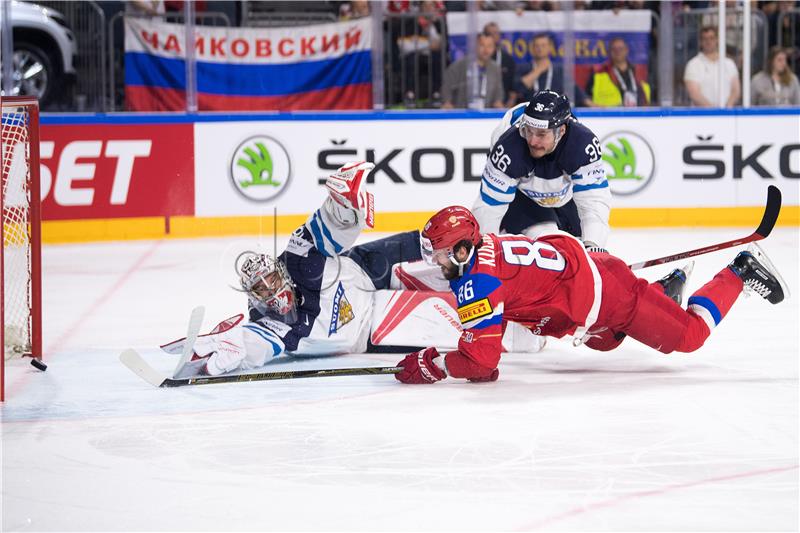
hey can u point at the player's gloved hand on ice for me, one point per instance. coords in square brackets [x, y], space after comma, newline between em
[345, 188]
[420, 368]
[592, 247]
[491, 377]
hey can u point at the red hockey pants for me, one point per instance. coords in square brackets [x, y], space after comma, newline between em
[640, 309]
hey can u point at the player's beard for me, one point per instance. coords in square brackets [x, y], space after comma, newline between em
[449, 271]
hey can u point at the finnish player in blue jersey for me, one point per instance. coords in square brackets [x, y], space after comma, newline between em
[544, 172]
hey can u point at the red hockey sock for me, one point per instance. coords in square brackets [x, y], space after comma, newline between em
[708, 306]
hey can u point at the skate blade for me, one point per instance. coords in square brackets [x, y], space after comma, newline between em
[762, 258]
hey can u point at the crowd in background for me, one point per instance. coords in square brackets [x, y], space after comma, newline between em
[502, 82]
[420, 72]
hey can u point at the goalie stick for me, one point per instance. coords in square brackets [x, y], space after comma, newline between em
[195, 322]
[771, 212]
[138, 366]
[141, 368]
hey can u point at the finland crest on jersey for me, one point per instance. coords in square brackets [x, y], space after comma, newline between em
[342, 311]
[346, 303]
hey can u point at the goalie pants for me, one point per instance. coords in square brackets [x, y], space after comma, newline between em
[640, 309]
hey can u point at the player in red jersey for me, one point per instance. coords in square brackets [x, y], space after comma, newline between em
[554, 287]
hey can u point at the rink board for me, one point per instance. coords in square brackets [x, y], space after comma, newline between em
[147, 176]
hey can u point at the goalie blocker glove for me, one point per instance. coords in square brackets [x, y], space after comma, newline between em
[345, 188]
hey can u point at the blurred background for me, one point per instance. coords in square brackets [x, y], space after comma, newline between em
[83, 56]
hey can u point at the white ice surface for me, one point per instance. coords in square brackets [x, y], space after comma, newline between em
[567, 439]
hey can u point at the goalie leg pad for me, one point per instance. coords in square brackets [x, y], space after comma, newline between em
[418, 276]
[519, 339]
[541, 228]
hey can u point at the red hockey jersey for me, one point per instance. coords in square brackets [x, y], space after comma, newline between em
[549, 285]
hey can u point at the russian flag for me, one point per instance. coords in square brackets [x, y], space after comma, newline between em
[324, 66]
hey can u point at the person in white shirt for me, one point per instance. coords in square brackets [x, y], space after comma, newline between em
[702, 74]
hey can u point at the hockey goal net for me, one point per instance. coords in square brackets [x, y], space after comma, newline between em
[20, 262]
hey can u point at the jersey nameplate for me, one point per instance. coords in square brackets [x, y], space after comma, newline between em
[469, 312]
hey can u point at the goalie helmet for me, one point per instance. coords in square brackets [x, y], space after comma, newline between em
[268, 284]
[447, 228]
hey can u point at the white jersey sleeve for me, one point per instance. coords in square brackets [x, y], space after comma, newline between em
[593, 199]
[498, 189]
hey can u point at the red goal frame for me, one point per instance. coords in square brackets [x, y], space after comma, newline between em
[35, 220]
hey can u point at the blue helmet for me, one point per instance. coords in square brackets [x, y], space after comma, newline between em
[547, 109]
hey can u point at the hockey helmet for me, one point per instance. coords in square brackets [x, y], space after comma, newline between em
[546, 110]
[268, 284]
[447, 228]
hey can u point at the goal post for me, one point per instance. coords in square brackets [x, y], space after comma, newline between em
[20, 213]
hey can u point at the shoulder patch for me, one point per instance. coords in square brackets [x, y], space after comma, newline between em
[475, 310]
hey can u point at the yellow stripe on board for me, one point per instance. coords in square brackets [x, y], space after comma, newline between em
[63, 231]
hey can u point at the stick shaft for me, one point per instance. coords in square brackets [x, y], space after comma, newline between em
[768, 220]
[288, 374]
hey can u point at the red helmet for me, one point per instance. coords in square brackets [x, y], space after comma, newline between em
[450, 226]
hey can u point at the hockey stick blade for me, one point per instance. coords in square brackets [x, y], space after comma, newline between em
[768, 220]
[139, 366]
[192, 331]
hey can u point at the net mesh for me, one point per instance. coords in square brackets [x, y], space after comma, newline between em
[16, 217]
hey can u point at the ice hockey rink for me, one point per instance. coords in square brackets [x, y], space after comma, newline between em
[567, 439]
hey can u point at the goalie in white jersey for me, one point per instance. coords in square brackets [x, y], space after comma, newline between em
[316, 298]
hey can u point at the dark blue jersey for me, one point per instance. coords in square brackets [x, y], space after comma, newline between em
[573, 170]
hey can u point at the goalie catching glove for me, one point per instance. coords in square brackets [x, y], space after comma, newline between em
[345, 188]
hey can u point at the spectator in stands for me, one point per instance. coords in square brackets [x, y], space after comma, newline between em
[776, 84]
[420, 45]
[536, 5]
[398, 6]
[151, 8]
[702, 74]
[788, 31]
[541, 73]
[615, 83]
[505, 62]
[487, 90]
[496, 5]
[355, 9]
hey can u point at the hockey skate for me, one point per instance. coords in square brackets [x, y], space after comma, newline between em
[759, 274]
[674, 283]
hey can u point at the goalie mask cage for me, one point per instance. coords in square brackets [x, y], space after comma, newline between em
[20, 262]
